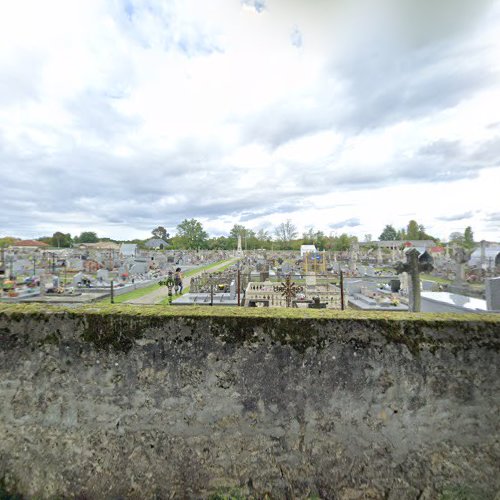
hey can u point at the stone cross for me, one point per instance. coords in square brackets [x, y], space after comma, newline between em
[288, 290]
[353, 258]
[461, 257]
[415, 264]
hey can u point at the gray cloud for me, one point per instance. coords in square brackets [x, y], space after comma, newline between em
[456, 217]
[345, 223]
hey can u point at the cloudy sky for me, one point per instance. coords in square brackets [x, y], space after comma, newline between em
[346, 115]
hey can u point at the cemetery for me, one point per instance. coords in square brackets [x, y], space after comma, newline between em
[88, 273]
[387, 277]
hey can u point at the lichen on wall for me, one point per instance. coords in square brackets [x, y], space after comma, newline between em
[188, 402]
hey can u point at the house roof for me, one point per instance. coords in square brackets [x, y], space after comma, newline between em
[30, 243]
[156, 243]
[128, 248]
[101, 245]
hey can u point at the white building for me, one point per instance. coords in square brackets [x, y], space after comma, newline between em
[305, 249]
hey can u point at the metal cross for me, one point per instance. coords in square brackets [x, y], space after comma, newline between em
[288, 289]
[169, 283]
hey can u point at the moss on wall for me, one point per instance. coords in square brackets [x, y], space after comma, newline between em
[119, 327]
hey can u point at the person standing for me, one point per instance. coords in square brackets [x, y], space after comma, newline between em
[178, 281]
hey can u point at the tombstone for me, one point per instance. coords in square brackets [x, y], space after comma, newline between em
[232, 289]
[415, 264]
[492, 286]
[395, 285]
[461, 258]
[42, 284]
[103, 275]
[310, 280]
[77, 278]
[353, 257]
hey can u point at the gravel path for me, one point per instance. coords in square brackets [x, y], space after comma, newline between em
[158, 295]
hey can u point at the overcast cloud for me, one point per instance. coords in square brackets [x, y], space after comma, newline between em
[117, 116]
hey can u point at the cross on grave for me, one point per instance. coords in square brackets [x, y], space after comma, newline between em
[288, 289]
[415, 264]
[461, 257]
[169, 283]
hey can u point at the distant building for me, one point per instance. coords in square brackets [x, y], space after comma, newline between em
[30, 244]
[128, 250]
[304, 249]
[486, 256]
[101, 245]
[156, 244]
[427, 244]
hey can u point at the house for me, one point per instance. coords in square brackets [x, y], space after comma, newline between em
[305, 249]
[156, 244]
[128, 250]
[29, 245]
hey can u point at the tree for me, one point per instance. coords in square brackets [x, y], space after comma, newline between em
[285, 233]
[191, 234]
[468, 238]
[342, 243]
[456, 238]
[7, 241]
[368, 238]
[87, 237]
[388, 234]
[413, 230]
[61, 240]
[160, 232]
[248, 238]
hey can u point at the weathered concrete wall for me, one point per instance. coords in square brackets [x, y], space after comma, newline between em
[105, 406]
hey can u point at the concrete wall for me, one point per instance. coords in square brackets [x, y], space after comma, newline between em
[102, 405]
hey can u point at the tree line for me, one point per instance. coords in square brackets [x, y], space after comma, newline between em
[190, 234]
[415, 231]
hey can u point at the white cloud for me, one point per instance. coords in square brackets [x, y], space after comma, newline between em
[118, 116]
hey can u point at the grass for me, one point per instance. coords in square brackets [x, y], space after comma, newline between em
[141, 292]
[436, 279]
[134, 294]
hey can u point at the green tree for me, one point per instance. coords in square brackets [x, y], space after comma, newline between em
[413, 230]
[263, 239]
[456, 238]
[248, 238]
[160, 232]
[468, 238]
[342, 243]
[191, 234]
[61, 240]
[7, 241]
[388, 234]
[220, 243]
[87, 237]
[401, 234]
[285, 233]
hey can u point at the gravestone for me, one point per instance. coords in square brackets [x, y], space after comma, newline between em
[77, 278]
[103, 275]
[415, 264]
[310, 281]
[461, 258]
[492, 289]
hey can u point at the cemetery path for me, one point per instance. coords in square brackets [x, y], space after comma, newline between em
[158, 295]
